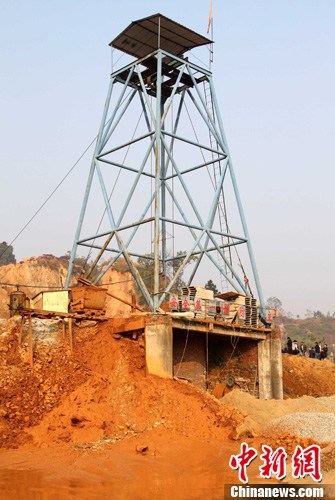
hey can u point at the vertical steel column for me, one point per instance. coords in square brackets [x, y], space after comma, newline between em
[163, 202]
[157, 180]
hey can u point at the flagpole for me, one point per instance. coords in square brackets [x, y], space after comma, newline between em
[210, 28]
[211, 55]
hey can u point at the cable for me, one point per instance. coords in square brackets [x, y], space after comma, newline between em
[30, 286]
[182, 356]
[226, 220]
[52, 192]
[48, 198]
[234, 345]
[60, 288]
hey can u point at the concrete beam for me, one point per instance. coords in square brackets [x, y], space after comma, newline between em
[213, 327]
[128, 324]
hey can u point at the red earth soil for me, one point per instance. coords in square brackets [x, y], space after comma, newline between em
[92, 424]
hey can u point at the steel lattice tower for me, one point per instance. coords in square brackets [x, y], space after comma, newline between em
[162, 169]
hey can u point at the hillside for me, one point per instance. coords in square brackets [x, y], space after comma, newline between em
[36, 274]
[309, 330]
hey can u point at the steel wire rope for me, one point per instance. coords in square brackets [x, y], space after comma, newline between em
[48, 198]
[213, 185]
[52, 193]
[200, 60]
[119, 59]
[37, 285]
[184, 350]
[227, 225]
[202, 154]
[234, 345]
[196, 136]
[222, 208]
[30, 286]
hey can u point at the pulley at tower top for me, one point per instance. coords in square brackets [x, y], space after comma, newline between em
[144, 37]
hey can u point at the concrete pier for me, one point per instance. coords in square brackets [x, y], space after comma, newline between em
[159, 346]
[270, 373]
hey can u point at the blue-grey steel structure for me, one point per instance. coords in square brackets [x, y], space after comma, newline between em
[156, 199]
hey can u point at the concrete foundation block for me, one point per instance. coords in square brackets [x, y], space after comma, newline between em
[159, 346]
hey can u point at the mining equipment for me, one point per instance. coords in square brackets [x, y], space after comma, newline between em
[163, 172]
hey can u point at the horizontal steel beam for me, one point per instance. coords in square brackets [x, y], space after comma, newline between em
[125, 145]
[201, 228]
[193, 143]
[121, 228]
[130, 169]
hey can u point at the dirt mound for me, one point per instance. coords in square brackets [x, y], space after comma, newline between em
[290, 441]
[27, 394]
[259, 414]
[328, 458]
[304, 376]
[100, 392]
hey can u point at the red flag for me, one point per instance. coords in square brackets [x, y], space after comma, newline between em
[210, 18]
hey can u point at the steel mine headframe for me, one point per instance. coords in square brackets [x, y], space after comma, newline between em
[162, 171]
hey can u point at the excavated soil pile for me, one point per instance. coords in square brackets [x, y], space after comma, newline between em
[26, 395]
[307, 377]
[100, 393]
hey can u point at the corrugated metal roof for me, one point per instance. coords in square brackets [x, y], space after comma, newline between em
[150, 33]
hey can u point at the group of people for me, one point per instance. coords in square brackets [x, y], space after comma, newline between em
[316, 351]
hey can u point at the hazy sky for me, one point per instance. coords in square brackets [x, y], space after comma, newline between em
[274, 76]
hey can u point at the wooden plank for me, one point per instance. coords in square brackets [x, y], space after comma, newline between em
[21, 331]
[123, 325]
[30, 343]
[41, 313]
[63, 330]
[71, 335]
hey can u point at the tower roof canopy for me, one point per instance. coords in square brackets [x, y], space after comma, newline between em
[146, 35]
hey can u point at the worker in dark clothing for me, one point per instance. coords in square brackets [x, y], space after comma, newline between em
[317, 350]
[289, 345]
[311, 352]
[324, 352]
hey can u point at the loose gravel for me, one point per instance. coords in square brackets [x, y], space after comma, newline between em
[318, 426]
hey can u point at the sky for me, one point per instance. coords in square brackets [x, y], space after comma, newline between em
[274, 75]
